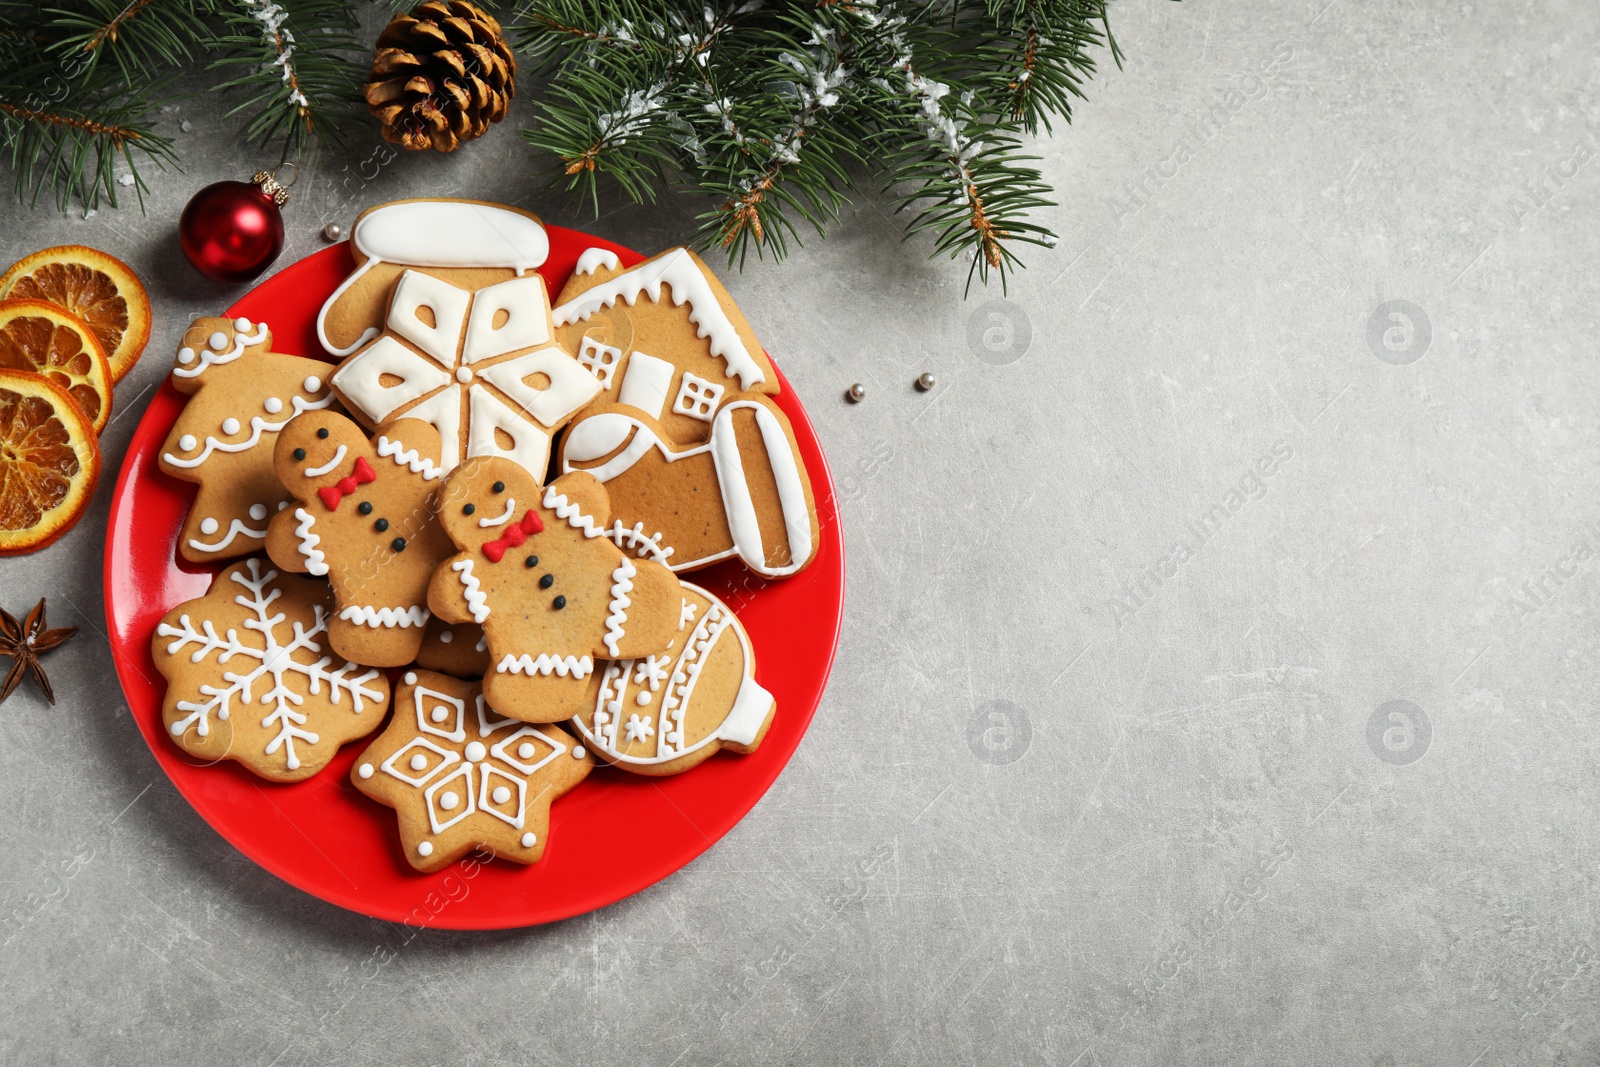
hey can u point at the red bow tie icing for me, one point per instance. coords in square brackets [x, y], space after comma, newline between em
[361, 474]
[515, 535]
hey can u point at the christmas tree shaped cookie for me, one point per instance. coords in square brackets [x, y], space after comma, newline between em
[551, 591]
[250, 677]
[362, 515]
[241, 395]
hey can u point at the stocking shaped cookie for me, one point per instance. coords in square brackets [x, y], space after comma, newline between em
[461, 777]
[685, 436]
[664, 714]
[250, 678]
[241, 395]
[551, 592]
[362, 516]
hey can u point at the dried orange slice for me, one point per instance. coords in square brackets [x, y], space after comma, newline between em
[49, 462]
[99, 289]
[40, 337]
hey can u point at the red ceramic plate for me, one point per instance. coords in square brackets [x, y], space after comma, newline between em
[612, 836]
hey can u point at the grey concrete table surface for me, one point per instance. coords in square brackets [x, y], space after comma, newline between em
[1219, 667]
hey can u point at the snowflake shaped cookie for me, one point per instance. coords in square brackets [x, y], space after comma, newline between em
[539, 572]
[461, 777]
[249, 677]
[483, 367]
[241, 395]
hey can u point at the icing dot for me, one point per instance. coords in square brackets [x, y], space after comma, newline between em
[501, 794]
[533, 561]
[242, 325]
[322, 433]
[218, 341]
[525, 750]
[547, 581]
[425, 849]
[273, 405]
[365, 507]
[365, 771]
[643, 698]
[475, 751]
[418, 762]
[398, 544]
[230, 426]
[187, 442]
[381, 525]
[258, 512]
[559, 602]
[313, 384]
[449, 801]
[208, 526]
[614, 707]
[411, 677]
[528, 840]
[186, 356]
[468, 509]
[299, 453]
[440, 713]
[282, 504]
[498, 487]
[447, 636]
[578, 753]
[463, 375]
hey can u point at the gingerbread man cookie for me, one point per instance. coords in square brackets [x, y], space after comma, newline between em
[686, 435]
[241, 395]
[461, 777]
[250, 678]
[454, 648]
[551, 591]
[362, 515]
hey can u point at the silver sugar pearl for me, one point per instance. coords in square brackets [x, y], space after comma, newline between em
[926, 381]
[333, 232]
[856, 393]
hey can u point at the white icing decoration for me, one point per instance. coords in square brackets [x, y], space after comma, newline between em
[446, 636]
[546, 665]
[241, 325]
[425, 849]
[639, 729]
[599, 360]
[642, 699]
[443, 410]
[235, 528]
[463, 375]
[230, 426]
[697, 398]
[593, 259]
[678, 270]
[410, 678]
[578, 752]
[439, 233]
[449, 801]
[570, 513]
[475, 751]
[529, 840]
[273, 658]
[215, 355]
[389, 618]
[570, 387]
[365, 770]
[258, 512]
[527, 324]
[338, 458]
[530, 448]
[448, 304]
[601, 434]
[208, 526]
[617, 611]
[313, 384]
[634, 537]
[501, 794]
[316, 562]
[472, 591]
[273, 405]
[258, 427]
[412, 459]
[505, 516]
[418, 762]
[645, 383]
[359, 379]
[525, 750]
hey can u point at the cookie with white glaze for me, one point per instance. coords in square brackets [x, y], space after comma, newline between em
[363, 515]
[661, 715]
[251, 677]
[551, 591]
[462, 777]
[241, 394]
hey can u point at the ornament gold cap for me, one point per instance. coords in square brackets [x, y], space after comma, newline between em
[278, 191]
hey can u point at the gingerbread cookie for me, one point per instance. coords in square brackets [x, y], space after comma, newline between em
[482, 367]
[551, 591]
[661, 715]
[250, 677]
[454, 648]
[686, 435]
[469, 243]
[363, 516]
[461, 777]
[241, 395]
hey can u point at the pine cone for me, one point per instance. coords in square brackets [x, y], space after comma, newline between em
[440, 76]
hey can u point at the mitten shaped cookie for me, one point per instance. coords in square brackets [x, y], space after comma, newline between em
[249, 676]
[460, 776]
[363, 515]
[665, 714]
[241, 395]
[551, 592]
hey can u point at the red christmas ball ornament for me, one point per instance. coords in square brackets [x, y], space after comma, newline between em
[232, 231]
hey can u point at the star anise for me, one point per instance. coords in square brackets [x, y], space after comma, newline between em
[24, 642]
